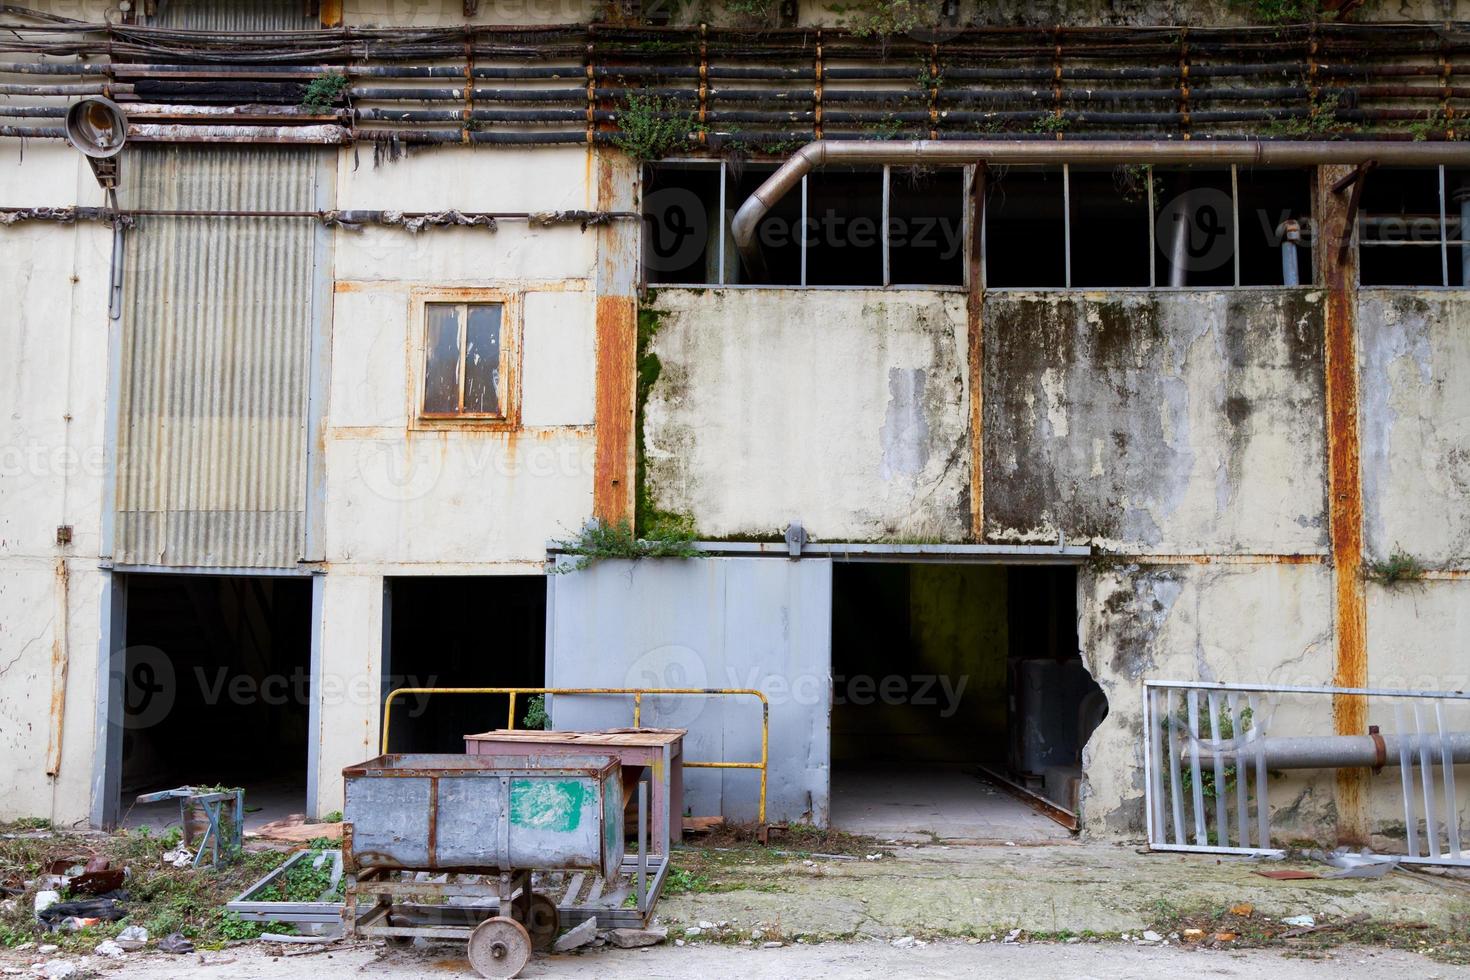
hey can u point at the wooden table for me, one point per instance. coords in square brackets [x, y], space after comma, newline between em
[660, 750]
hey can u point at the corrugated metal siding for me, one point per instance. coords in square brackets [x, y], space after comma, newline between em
[234, 15]
[216, 346]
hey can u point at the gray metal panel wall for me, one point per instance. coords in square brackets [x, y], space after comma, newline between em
[212, 437]
[234, 15]
[763, 623]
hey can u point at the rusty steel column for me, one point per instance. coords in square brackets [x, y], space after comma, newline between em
[1339, 277]
[975, 323]
[616, 338]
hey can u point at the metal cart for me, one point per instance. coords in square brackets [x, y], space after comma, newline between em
[464, 834]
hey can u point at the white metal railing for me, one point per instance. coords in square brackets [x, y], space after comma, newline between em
[1211, 752]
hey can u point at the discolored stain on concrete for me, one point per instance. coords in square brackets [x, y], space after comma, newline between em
[1134, 420]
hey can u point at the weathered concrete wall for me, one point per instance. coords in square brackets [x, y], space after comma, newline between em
[1260, 624]
[1415, 407]
[403, 493]
[53, 384]
[406, 498]
[1155, 422]
[844, 410]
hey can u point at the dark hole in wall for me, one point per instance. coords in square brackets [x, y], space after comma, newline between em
[461, 631]
[1399, 228]
[779, 232]
[1025, 230]
[681, 223]
[1457, 225]
[1194, 210]
[216, 688]
[1109, 227]
[937, 665]
[844, 227]
[1268, 198]
[926, 226]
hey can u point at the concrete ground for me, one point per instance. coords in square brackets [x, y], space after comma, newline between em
[949, 803]
[880, 961]
[842, 917]
[977, 890]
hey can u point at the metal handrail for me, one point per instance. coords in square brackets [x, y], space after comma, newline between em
[636, 693]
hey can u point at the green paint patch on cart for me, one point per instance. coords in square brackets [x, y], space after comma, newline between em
[547, 804]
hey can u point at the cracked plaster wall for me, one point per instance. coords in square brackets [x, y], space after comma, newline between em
[1263, 624]
[53, 382]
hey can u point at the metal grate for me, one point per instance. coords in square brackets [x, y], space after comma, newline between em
[1216, 754]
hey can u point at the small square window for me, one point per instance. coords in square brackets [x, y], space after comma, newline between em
[465, 361]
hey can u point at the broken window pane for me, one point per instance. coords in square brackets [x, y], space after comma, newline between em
[441, 358]
[926, 226]
[1194, 228]
[1025, 229]
[778, 233]
[482, 360]
[1268, 199]
[1457, 224]
[1109, 227]
[844, 227]
[681, 224]
[1399, 228]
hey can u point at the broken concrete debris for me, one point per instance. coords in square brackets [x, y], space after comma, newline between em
[577, 936]
[634, 938]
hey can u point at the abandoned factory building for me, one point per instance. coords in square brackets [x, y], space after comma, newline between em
[943, 375]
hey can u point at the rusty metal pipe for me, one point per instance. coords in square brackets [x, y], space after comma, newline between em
[1281, 153]
[1337, 751]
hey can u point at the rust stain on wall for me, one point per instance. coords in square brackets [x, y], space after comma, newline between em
[612, 479]
[60, 664]
[617, 345]
[1344, 485]
[975, 323]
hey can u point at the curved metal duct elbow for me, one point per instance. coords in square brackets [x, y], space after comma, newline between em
[1281, 153]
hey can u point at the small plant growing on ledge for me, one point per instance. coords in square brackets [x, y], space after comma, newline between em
[651, 127]
[1397, 569]
[535, 717]
[324, 90]
[599, 539]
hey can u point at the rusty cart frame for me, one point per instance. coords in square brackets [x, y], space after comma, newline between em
[637, 694]
[377, 899]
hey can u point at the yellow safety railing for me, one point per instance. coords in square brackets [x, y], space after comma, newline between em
[636, 693]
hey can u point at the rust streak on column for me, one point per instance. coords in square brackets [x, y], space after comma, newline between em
[612, 486]
[975, 317]
[1344, 484]
[617, 340]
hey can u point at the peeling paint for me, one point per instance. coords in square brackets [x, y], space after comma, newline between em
[905, 432]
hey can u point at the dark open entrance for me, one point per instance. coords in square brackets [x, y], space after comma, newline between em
[217, 691]
[946, 678]
[487, 631]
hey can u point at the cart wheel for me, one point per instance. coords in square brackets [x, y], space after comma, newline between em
[499, 947]
[545, 922]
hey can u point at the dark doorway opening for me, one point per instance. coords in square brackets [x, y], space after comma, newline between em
[217, 690]
[947, 680]
[484, 631]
